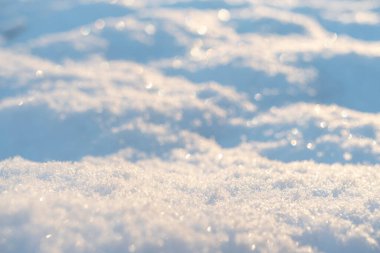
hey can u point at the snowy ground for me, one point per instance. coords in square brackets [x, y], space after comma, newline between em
[189, 126]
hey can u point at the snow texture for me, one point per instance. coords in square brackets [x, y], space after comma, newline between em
[189, 126]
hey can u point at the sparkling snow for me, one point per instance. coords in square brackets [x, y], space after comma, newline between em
[189, 126]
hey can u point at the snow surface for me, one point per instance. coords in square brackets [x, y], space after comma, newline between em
[189, 126]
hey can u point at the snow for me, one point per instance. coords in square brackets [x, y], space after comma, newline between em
[189, 126]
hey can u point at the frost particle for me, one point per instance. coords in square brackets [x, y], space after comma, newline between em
[202, 30]
[39, 73]
[100, 24]
[347, 156]
[120, 25]
[224, 15]
[322, 124]
[85, 31]
[150, 29]
[310, 146]
[258, 96]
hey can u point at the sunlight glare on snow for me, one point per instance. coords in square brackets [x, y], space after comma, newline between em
[100, 24]
[150, 29]
[224, 15]
[85, 31]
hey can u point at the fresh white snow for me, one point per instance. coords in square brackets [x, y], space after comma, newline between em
[189, 126]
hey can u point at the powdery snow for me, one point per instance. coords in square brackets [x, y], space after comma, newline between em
[189, 126]
[210, 201]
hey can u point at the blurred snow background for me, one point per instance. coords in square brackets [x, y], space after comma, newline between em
[189, 126]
